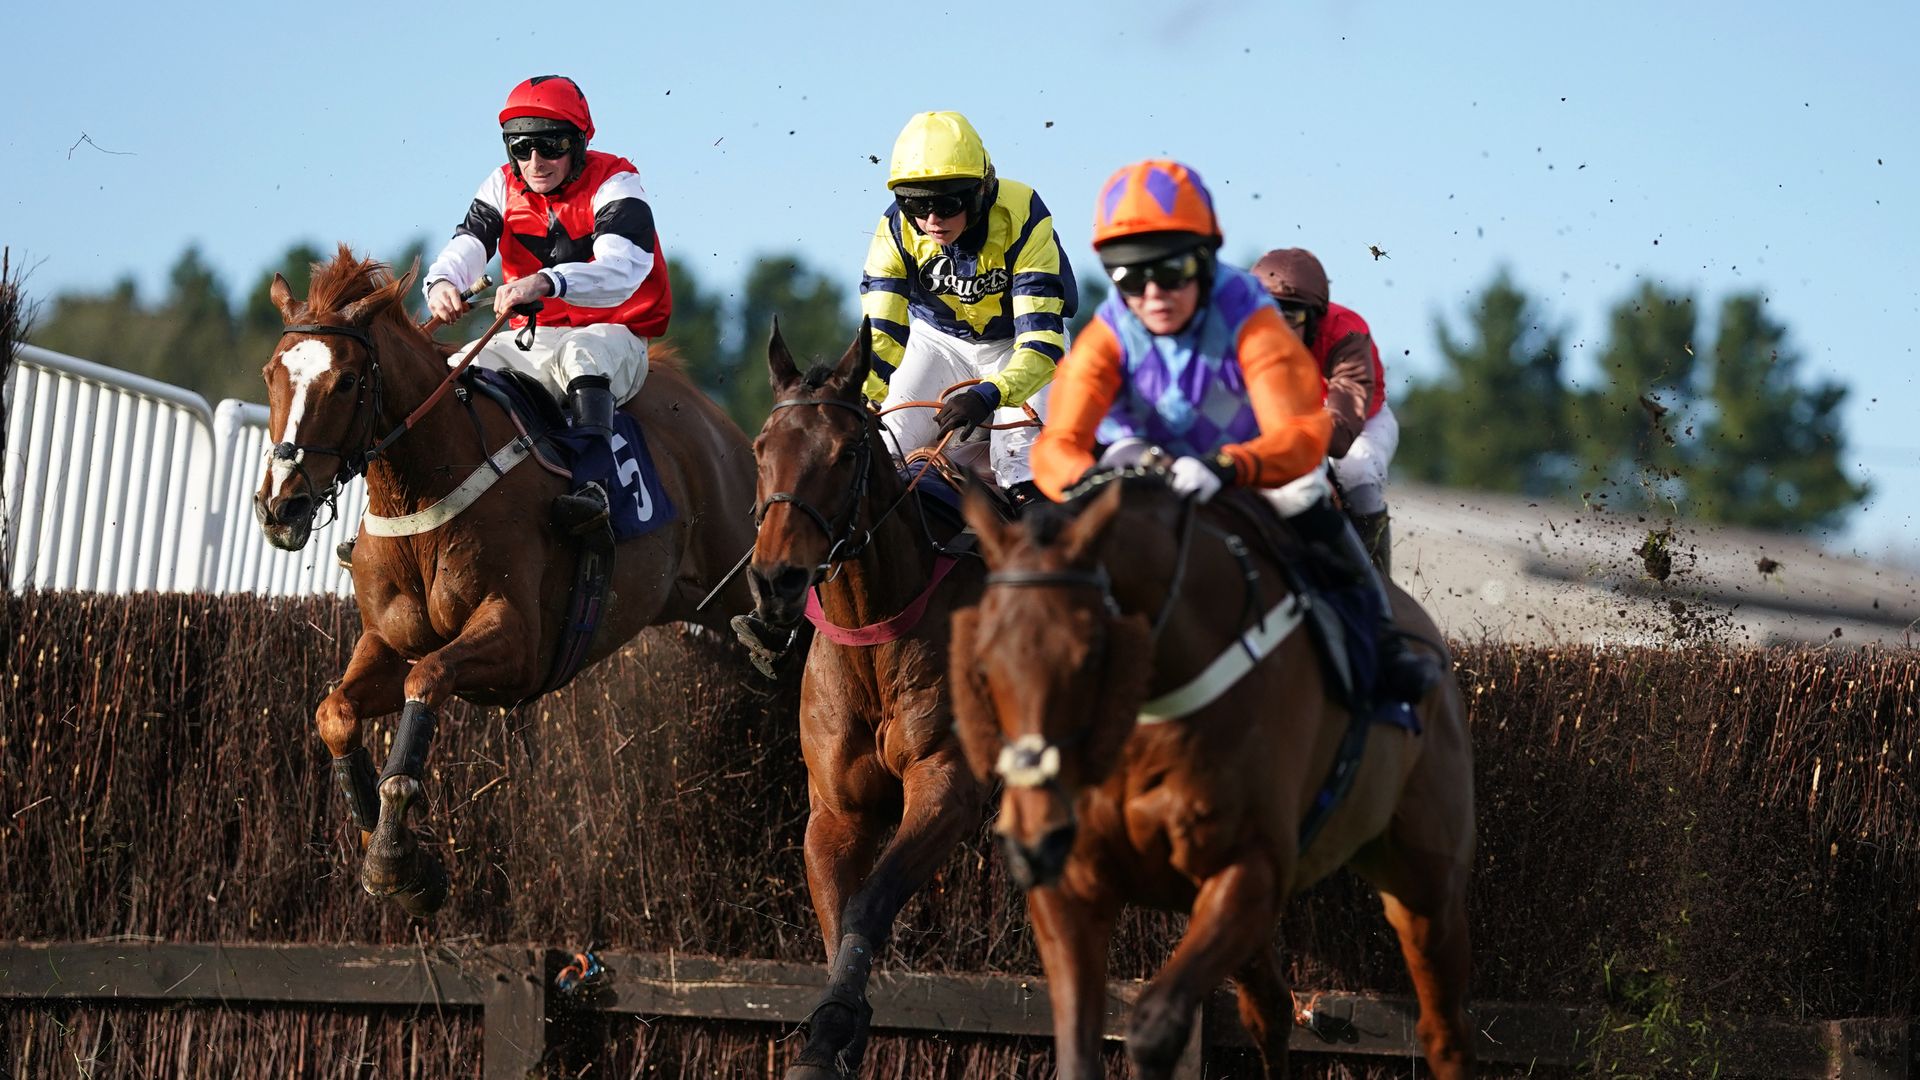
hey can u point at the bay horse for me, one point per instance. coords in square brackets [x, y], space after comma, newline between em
[475, 606]
[875, 720]
[1097, 678]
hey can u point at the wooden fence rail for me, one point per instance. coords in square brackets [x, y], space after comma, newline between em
[513, 987]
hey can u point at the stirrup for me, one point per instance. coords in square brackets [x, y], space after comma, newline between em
[762, 655]
[583, 511]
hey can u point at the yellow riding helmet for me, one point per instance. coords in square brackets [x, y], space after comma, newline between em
[937, 146]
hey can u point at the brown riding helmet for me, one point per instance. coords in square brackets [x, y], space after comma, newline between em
[1293, 274]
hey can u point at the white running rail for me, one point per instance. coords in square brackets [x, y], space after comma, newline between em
[114, 482]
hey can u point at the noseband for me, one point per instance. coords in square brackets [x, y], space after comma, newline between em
[845, 542]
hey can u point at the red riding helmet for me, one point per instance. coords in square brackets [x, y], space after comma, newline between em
[1293, 274]
[545, 102]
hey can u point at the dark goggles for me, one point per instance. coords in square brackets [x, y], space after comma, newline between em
[1168, 273]
[919, 207]
[551, 147]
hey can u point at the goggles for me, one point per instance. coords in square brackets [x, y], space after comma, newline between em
[1168, 273]
[551, 147]
[1293, 310]
[918, 207]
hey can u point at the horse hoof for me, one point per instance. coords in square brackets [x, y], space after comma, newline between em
[427, 894]
[391, 862]
[815, 1072]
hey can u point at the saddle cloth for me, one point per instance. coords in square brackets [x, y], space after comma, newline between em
[636, 499]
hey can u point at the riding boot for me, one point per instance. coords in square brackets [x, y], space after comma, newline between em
[590, 399]
[1405, 675]
[1376, 531]
[343, 554]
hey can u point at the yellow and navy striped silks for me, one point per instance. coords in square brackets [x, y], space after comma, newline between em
[1010, 280]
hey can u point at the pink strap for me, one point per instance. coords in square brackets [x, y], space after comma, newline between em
[887, 630]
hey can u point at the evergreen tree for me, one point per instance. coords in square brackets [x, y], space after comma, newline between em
[1771, 452]
[1635, 431]
[814, 322]
[1496, 418]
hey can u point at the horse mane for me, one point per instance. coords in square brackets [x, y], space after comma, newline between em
[342, 281]
[1045, 521]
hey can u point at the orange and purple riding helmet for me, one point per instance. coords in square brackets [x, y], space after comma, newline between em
[1151, 210]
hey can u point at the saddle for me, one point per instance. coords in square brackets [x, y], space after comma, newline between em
[1340, 620]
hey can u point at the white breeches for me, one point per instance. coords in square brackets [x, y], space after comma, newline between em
[934, 361]
[1363, 472]
[561, 354]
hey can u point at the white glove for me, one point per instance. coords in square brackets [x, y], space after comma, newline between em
[1193, 477]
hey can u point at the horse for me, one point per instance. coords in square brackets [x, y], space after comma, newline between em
[875, 720]
[1189, 801]
[475, 606]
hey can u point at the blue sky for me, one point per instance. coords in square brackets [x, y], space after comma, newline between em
[1762, 145]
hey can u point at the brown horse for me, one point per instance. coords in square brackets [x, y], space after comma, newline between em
[1185, 805]
[875, 721]
[473, 607]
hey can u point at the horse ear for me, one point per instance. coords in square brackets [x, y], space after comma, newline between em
[281, 294]
[1087, 529]
[853, 367]
[780, 364]
[996, 538]
[973, 716]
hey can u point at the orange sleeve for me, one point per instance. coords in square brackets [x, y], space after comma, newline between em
[1084, 387]
[1283, 381]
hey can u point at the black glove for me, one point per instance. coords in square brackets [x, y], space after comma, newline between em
[965, 410]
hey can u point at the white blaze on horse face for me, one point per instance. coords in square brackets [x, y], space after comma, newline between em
[304, 362]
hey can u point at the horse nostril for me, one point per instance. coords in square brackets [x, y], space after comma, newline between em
[294, 510]
[790, 582]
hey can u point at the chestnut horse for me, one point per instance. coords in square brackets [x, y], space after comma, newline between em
[1117, 792]
[473, 607]
[876, 726]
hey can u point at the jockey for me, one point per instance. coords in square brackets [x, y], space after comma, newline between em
[575, 235]
[964, 280]
[1365, 432]
[1191, 356]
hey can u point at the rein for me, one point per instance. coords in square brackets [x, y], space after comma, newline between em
[1032, 420]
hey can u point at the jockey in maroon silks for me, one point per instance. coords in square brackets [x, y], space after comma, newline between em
[1365, 432]
[575, 234]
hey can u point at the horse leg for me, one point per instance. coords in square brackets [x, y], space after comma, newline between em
[1266, 1009]
[370, 687]
[492, 650]
[1425, 896]
[1233, 917]
[843, 837]
[1072, 935]
[941, 803]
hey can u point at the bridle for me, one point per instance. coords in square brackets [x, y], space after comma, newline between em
[844, 540]
[1032, 761]
[372, 393]
[352, 463]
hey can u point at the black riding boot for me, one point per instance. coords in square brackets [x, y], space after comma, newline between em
[1376, 532]
[1405, 675]
[590, 399]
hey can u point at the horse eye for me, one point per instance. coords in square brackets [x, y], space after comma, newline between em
[345, 383]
